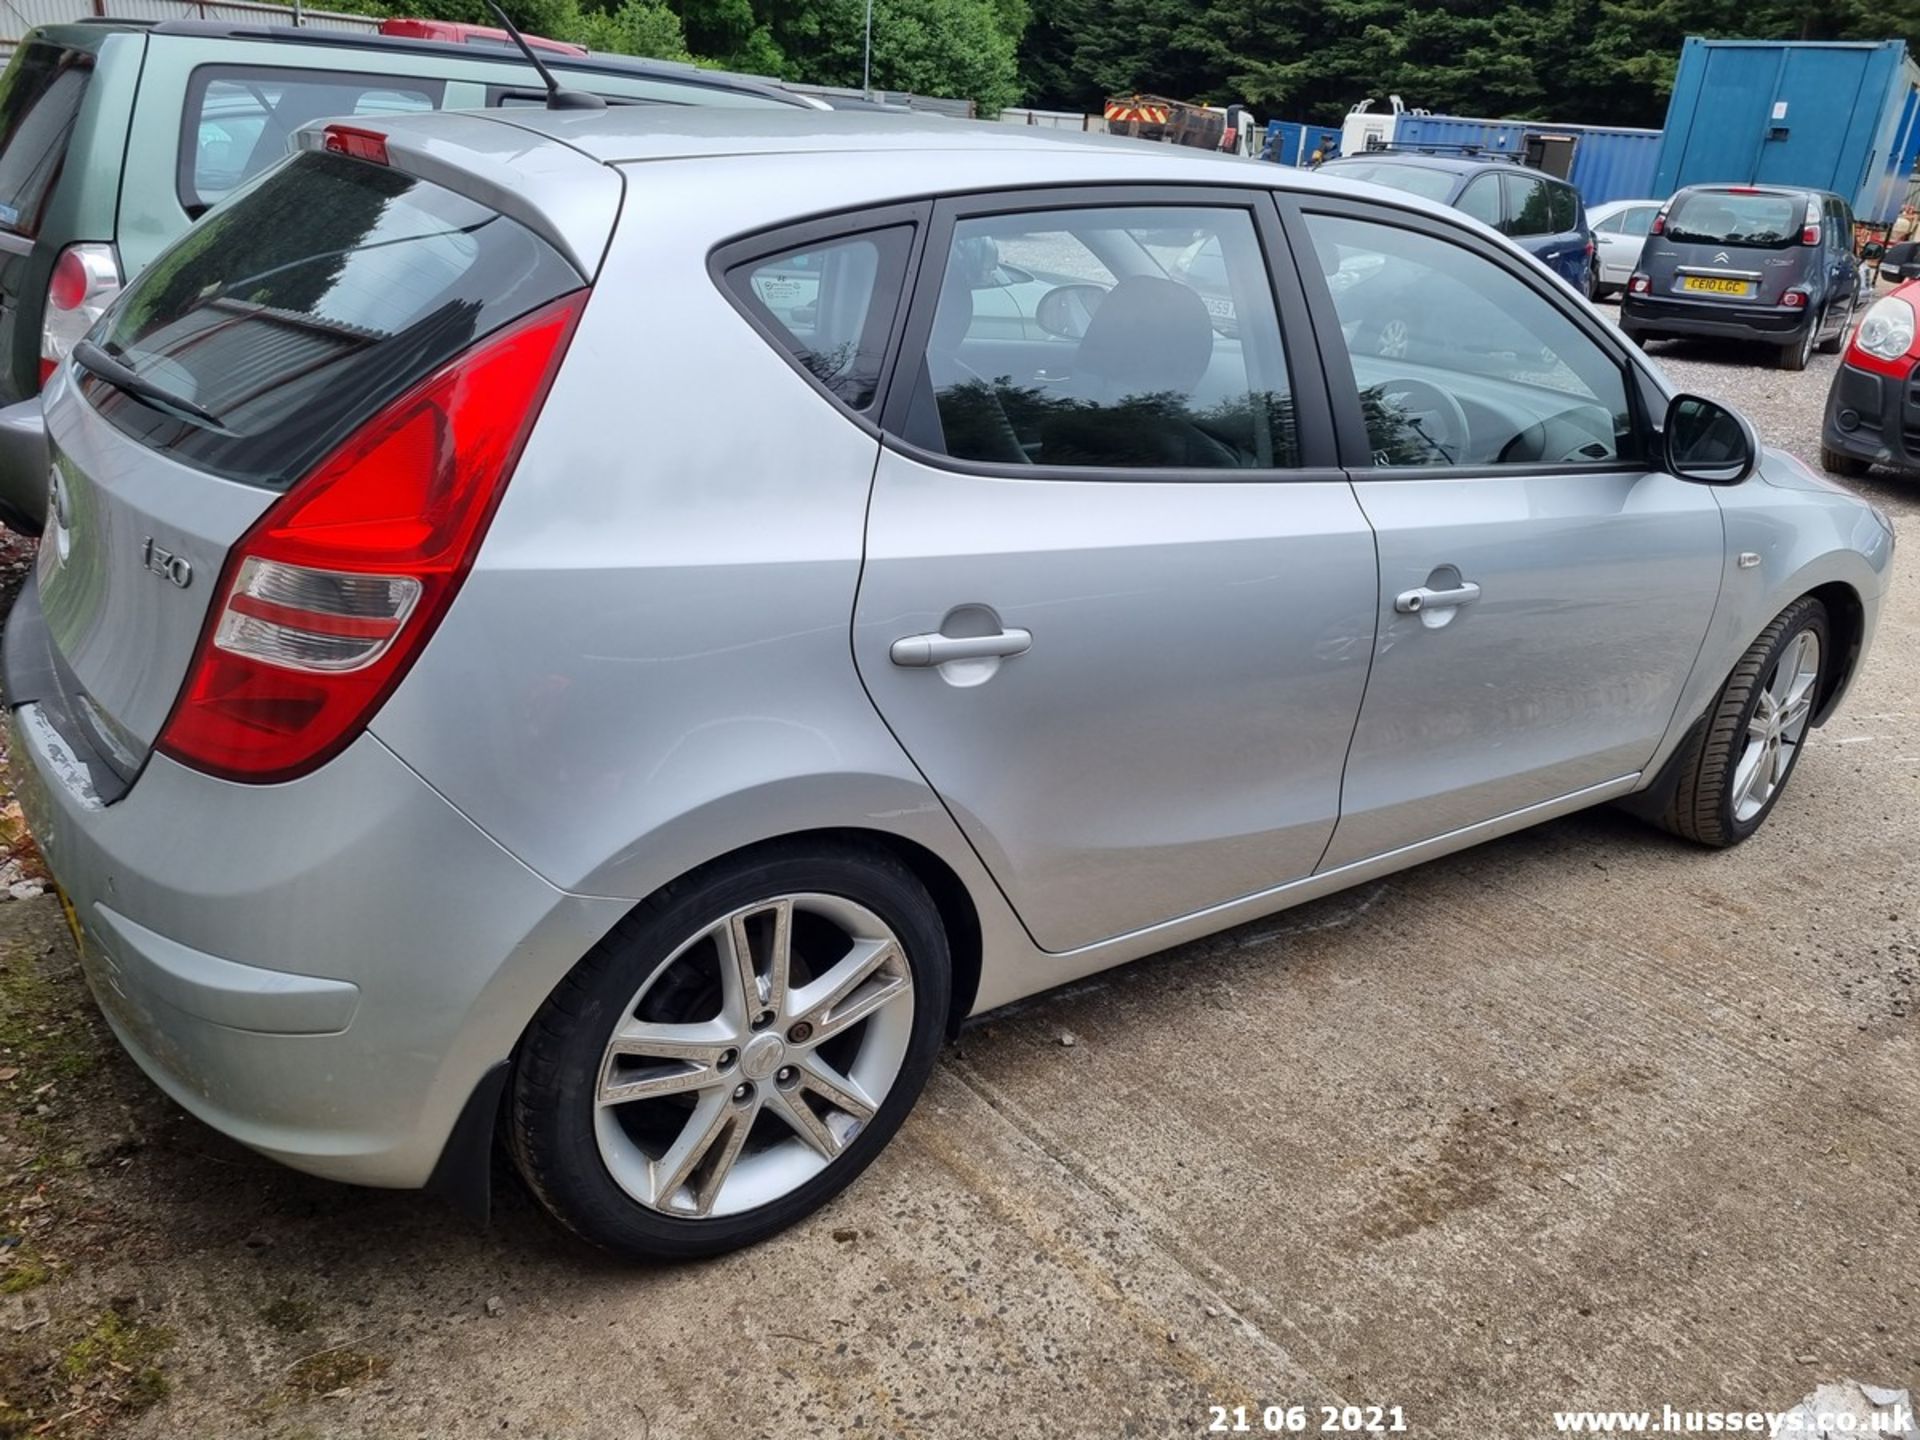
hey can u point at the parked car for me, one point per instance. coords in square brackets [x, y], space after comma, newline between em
[116, 135]
[1619, 230]
[1872, 418]
[1542, 215]
[1765, 263]
[460, 33]
[495, 664]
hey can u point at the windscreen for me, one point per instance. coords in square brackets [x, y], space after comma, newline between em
[1428, 184]
[289, 316]
[40, 96]
[1721, 217]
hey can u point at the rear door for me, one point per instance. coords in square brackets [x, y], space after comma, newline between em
[1544, 225]
[1117, 601]
[286, 320]
[1544, 589]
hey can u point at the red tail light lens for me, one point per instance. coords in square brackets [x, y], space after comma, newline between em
[85, 279]
[351, 140]
[326, 602]
[1794, 299]
[1659, 226]
[1639, 284]
[1810, 235]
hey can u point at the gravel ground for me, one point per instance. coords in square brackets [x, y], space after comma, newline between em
[1583, 1117]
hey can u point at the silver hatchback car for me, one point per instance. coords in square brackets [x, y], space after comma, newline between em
[623, 628]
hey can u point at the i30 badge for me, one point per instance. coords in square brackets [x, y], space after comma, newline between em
[164, 562]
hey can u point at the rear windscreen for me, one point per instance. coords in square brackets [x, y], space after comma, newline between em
[294, 313]
[1428, 184]
[40, 96]
[1718, 217]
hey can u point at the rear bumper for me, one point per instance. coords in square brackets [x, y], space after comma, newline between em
[1658, 315]
[1873, 417]
[24, 465]
[324, 970]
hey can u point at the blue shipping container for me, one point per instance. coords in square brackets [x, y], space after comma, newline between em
[1838, 117]
[1293, 142]
[1608, 162]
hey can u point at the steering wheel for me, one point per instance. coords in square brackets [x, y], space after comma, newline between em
[1427, 413]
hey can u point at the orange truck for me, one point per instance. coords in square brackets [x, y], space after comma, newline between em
[1229, 129]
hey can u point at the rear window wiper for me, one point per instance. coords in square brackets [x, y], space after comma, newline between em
[97, 362]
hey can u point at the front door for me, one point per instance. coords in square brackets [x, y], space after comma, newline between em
[1544, 590]
[1117, 602]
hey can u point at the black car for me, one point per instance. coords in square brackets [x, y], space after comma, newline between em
[1748, 262]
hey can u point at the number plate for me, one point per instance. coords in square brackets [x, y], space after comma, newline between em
[1713, 285]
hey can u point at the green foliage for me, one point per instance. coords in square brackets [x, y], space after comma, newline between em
[1601, 61]
[638, 27]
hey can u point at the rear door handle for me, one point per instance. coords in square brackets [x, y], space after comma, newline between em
[919, 651]
[1412, 602]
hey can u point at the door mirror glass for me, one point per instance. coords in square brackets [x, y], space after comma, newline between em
[1706, 441]
[1065, 311]
[1872, 250]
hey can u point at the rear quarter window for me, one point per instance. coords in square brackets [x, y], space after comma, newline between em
[239, 119]
[40, 96]
[1563, 207]
[294, 313]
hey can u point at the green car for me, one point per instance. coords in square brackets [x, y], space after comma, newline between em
[115, 136]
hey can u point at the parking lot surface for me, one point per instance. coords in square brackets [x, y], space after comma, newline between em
[1581, 1118]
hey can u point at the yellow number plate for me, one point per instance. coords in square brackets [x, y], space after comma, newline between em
[1712, 285]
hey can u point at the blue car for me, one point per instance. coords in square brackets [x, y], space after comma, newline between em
[1540, 214]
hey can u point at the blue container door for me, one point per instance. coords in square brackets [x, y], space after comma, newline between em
[1809, 145]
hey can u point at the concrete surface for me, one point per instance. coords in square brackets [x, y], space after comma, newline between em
[1583, 1118]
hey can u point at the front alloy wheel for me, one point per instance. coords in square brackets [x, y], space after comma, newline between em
[734, 1053]
[1736, 762]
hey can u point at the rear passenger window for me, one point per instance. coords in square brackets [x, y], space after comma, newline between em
[40, 97]
[1563, 208]
[1133, 338]
[1527, 209]
[831, 305]
[239, 119]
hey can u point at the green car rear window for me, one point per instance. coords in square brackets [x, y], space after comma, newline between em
[40, 96]
[295, 312]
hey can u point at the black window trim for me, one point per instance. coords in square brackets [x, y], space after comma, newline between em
[840, 225]
[200, 79]
[1313, 413]
[1643, 390]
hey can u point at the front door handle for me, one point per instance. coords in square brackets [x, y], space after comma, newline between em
[1412, 602]
[918, 651]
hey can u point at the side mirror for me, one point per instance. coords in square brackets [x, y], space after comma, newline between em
[1872, 250]
[1066, 310]
[1705, 441]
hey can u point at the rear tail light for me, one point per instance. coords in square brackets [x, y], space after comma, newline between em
[1639, 284]
[351, 140]
[1589, 247]
[1810, 233]
[1659, 226]
[1794, 299]
[328, 599]
[85, 279]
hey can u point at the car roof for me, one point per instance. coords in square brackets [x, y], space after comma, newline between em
[1736, 187]
[1452, 164]
[313, 37]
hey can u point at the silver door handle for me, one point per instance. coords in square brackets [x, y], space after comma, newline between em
[1412, 602]
[938, 649]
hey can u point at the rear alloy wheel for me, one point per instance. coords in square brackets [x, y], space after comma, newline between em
[1795, 354]
[1740, 759]
[734, 1053]
[1838, 341]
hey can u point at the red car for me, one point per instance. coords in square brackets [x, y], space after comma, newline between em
[1873, 406]
[461, 34]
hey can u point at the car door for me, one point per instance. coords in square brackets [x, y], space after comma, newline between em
[1843, 267]
[1531, 215]
[1118, 599]
[1544, 589]
[1619, 240]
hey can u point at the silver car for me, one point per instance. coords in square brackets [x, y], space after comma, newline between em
[593, 626]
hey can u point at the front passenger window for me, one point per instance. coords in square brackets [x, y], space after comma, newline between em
[1129, 338]
[1460, 362]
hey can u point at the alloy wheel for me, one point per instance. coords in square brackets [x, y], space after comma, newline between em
[752, 1058]
[1777, 726]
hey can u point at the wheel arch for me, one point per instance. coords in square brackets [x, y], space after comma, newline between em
[1847, 629]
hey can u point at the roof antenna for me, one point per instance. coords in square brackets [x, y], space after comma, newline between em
[557, 98]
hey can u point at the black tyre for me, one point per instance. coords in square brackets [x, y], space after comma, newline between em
[673, 1100]
[1797, 351]
[1841, 463]
[1737, 764]
[1838, 341]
